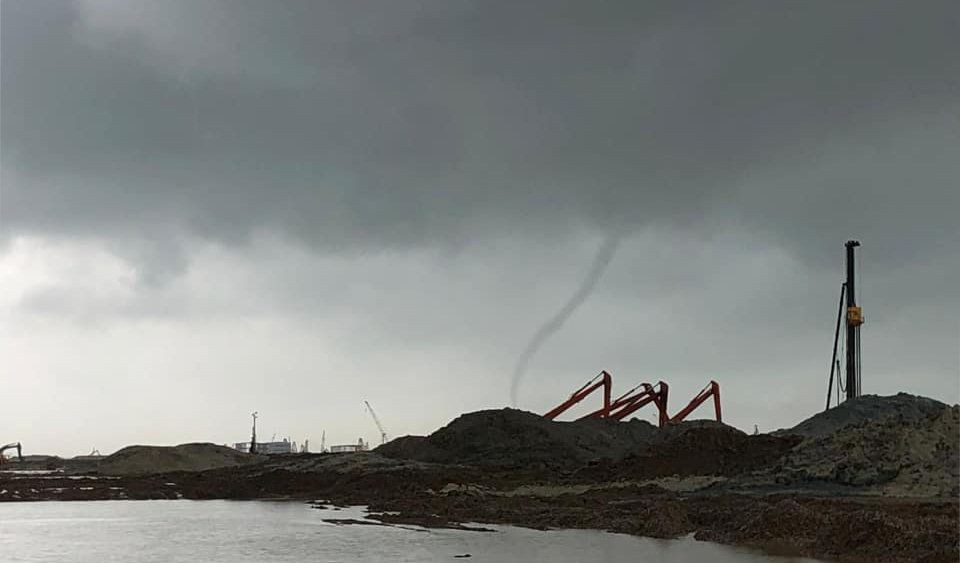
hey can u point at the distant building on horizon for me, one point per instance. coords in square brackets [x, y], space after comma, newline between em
[360, 446]
[269, 448]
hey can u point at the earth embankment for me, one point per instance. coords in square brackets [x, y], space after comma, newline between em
[144, 460]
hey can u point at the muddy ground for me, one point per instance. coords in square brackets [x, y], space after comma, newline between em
[878, 481]
[825, 524]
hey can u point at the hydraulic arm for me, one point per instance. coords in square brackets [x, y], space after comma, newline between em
[632, 402]
[711, 390]
[635, 399]
[603, 379]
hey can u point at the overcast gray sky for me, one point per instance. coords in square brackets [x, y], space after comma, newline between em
[214, 207]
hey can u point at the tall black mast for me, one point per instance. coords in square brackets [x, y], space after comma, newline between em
[854, 320]
[253, 434]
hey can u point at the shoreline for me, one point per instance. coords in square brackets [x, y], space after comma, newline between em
[877, 478]
[816, 524]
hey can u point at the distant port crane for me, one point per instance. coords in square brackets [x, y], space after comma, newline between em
[376, 420]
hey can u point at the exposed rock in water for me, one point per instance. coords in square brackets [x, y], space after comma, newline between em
[141, 460]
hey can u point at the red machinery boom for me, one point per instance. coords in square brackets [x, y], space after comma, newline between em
[651, 394]
[712, 389]
[635, 399]
[605, 381]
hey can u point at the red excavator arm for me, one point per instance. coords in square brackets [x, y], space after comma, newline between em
[632, 402]
[603, 379]
[712, 389]
[635, 399]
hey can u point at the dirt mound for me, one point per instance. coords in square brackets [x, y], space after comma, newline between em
[838, 529]
[514, 438]
[410, 447]
[696, 449]
[908, 455]
[141, 460]
[903, 408]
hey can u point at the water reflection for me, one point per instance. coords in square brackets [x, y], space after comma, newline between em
[241, 532]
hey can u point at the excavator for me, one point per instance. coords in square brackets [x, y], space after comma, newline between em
[16, 445]
[635, 399]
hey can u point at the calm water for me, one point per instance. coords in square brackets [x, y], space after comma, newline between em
[257, 531]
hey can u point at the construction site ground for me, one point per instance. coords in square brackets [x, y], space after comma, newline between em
[877, 478]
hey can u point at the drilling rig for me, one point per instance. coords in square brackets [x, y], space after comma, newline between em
[852, 321]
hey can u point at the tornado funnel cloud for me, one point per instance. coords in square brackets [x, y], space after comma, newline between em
[600, 262]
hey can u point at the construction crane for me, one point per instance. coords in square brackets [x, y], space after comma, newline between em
[602, 379]
[383, 433]
[10, 447]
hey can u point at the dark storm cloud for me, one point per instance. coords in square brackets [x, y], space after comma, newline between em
[357, 128]
[284, 205]
[358, 125]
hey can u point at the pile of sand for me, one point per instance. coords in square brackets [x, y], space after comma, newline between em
[140, 460]
[901, 445]
[902, 407]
